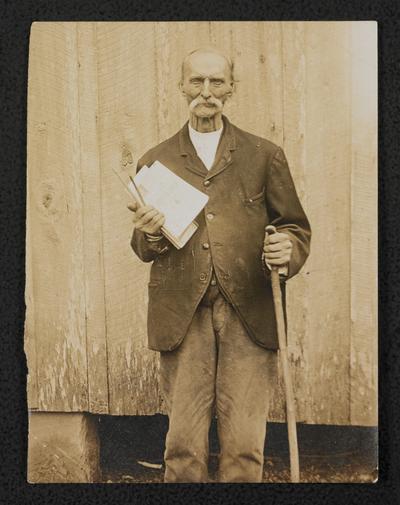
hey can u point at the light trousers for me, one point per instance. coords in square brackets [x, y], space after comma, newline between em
[216, 367]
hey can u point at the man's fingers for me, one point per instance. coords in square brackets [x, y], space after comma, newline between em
[156, 224]
[141, 221]
[156, 220]
[150, 222]
[146, 218]
[277, 249]
[276, 238]
[143, 210]
[274, 255]
[281, 246]
[132, 206]
[278, 261]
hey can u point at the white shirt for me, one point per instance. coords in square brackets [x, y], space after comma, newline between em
[205, 144]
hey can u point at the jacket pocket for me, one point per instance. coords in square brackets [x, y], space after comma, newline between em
[254, 199]
[175, 275]
[157, 273]
[168, 274]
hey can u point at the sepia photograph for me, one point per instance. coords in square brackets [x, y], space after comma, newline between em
[201, 252]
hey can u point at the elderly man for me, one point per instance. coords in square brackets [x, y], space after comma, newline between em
[210, 311]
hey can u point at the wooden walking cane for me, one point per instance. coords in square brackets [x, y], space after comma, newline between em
[287, 378]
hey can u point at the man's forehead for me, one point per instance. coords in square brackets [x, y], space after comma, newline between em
[206, 63]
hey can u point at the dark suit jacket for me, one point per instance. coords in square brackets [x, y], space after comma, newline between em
[249, 186]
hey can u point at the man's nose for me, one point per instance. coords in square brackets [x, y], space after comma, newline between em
[205, 91]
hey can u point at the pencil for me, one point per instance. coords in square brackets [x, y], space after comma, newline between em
[137, 191]
[124, 185]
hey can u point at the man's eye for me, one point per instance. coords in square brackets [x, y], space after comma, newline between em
[217, 83]
[195, 82]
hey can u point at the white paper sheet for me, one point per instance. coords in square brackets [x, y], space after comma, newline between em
[179, 201]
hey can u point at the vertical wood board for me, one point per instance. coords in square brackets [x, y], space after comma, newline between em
[364, 223]
[294, 125]
[92, 219]
[56, 269]
[327, 158]
[127, 128]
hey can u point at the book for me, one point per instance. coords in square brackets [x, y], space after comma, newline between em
[178, 200]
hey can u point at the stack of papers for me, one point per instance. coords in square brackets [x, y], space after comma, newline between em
[179, 201]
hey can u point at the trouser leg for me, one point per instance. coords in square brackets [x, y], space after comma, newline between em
[187, 379]
[246, 376]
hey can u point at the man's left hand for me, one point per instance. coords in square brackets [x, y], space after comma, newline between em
[277, 249]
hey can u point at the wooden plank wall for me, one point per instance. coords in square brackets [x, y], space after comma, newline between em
[327, 158]
[55, 268]
[364, 221]
[100, 95]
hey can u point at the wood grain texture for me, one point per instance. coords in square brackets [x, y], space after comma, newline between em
[294, 130]
[29, 329]
[55, 261]
[364, 227]
[92, 220]
[298, 85]
[328, 162]
[127, 128]
[63, 448]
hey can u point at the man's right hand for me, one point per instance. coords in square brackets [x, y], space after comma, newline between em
[147, 219]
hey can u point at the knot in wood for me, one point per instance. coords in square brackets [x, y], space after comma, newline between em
[47, 201]
[41, 127]
[127, 157]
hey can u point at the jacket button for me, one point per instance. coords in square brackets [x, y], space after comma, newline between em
[206, 245]
[206, 183]
[203, 277]
[226, 276]
[210, 216]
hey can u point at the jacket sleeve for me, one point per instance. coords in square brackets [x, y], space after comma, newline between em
[144, 249]
[285, 210]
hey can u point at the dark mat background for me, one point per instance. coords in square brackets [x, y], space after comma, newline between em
[15, 20]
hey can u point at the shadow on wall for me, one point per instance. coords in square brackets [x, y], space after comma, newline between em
[132, 451]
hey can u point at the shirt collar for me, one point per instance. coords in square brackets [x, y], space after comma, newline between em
[194, 134]
[228, 137]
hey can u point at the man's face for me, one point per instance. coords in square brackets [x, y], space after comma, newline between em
[207, 83]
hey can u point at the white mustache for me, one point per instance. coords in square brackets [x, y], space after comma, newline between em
[200, 101]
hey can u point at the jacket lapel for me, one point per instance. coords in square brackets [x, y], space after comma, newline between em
[223, 157]
[187, 150]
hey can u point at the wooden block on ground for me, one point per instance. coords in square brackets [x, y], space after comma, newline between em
[63, 447]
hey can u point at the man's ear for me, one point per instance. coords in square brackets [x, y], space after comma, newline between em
[232, 89]
[181, 88]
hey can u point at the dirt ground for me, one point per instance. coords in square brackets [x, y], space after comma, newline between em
[343, 468]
